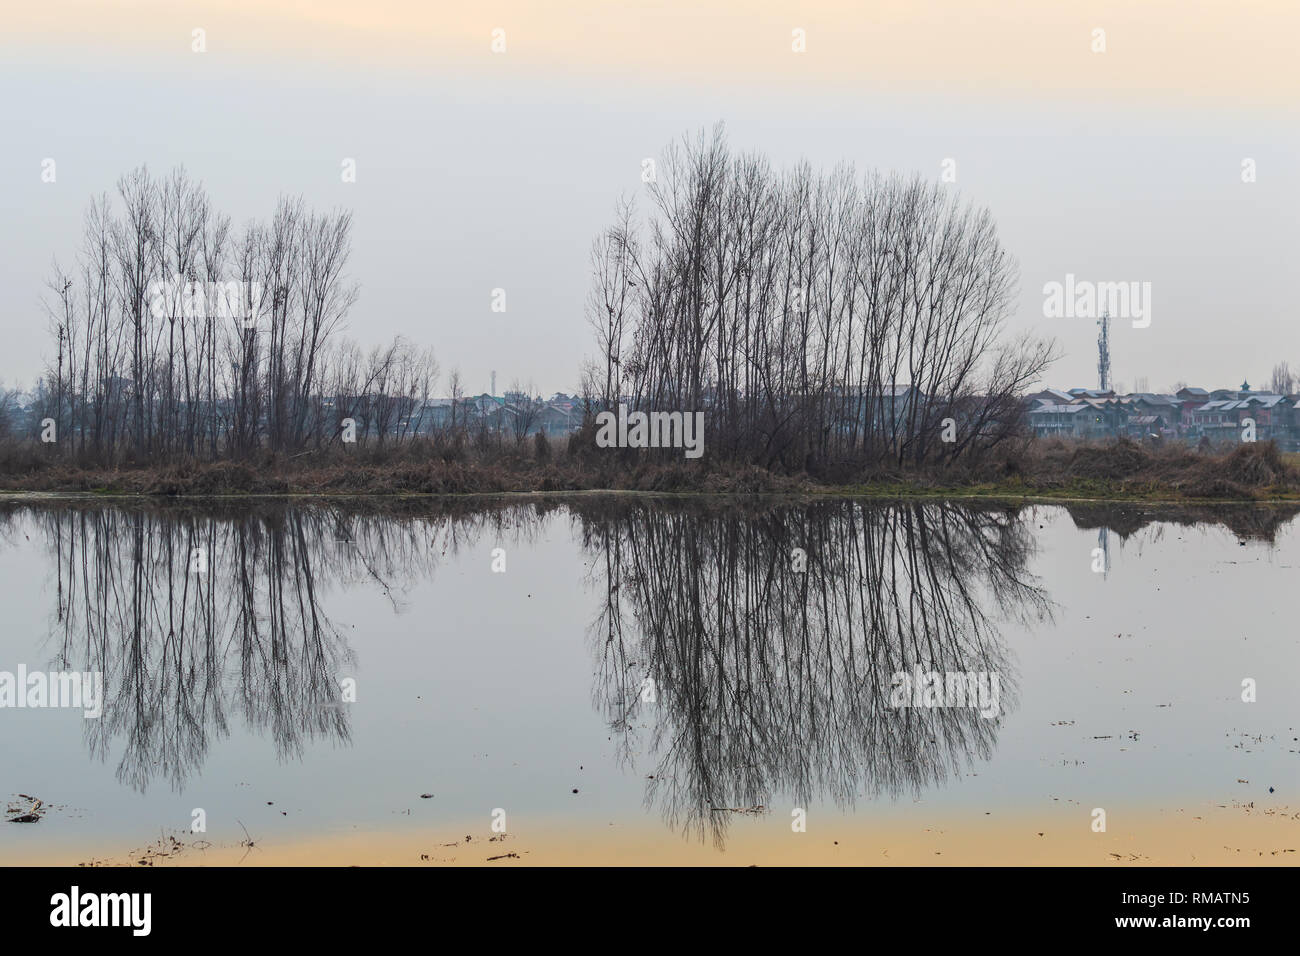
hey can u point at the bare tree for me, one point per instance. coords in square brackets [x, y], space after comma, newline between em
[456, 391]
[527, 408]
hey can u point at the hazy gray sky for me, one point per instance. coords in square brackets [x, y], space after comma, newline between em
[478, 170]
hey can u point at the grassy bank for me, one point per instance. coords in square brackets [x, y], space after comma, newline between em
[1121, 470]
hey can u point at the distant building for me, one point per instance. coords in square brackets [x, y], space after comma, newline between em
[1060, 421]
[1193, 415]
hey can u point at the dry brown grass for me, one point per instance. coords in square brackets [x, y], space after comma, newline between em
[1245, 471]
[1122, 469]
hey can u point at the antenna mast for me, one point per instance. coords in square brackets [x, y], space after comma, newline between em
[1103, 352]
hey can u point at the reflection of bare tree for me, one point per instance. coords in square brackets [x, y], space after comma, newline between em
[197, 615]
[769, 679]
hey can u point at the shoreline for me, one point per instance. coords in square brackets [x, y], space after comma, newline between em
[1119, 472]
[890, 493]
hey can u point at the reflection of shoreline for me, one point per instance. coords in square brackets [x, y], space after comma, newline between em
[1257, 519]
[779, 714]
[1222, 836]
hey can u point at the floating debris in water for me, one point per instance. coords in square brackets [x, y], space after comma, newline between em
[32, 814]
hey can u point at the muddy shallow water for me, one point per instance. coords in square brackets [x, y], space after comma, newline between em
[674, 680]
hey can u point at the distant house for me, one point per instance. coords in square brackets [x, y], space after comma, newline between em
[1146, 404]
[1145, 426]
[1061, 421]
[560, 417]
[885, 410]
[1049, 396]
[1107, 417]
[436, 414]
[1216, 420]
[1273, 415]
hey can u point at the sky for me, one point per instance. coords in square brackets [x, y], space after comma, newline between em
[478, 170]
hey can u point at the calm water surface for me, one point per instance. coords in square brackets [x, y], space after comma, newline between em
[225, 631]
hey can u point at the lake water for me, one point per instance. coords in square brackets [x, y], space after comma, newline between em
[308, 668]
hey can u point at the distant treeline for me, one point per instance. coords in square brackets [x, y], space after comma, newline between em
[819, 321]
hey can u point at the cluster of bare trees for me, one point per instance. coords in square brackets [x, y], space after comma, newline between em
[1282, 381]
[180, 336]
[814, 317]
